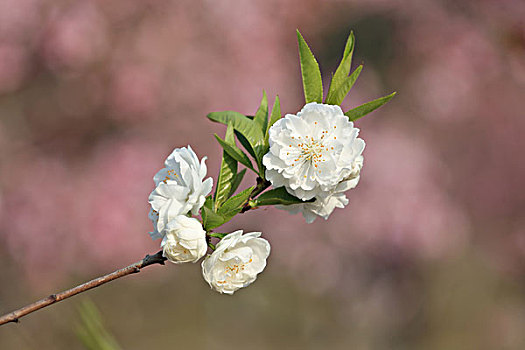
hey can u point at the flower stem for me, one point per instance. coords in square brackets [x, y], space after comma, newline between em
[54, 298]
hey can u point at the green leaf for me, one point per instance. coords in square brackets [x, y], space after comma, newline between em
[235, 153]
[341, 73]
[226, 212]
[261, 119]
[210, 219]
[368, 107]
[261, 116]
[234, 205]
[208, 203]
[278, 196]
[227, 173]
[248, 128]
[339, 95]
[218, 235]
[246, 144]
[312, 82]
[237, 181]
[275, 116]
[256, 152]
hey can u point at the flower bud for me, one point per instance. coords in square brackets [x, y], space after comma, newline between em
[184, 241]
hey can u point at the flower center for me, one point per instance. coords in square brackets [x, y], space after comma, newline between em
[232, 270]
[312, 150]
[235, 268]
[171, 175]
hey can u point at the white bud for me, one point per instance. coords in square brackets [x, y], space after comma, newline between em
[184, 240]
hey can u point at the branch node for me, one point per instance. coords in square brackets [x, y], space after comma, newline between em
[53, 297]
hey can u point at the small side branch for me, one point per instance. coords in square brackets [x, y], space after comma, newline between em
[261, 186]
[54, 298]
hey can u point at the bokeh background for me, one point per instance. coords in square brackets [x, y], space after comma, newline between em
[430, 252]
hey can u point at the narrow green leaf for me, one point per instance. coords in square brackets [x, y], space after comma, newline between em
[229, 136]
[261, 116]
[342, 70]
[337, 97]
[248, 128]
[260, 151]
[217, 235]
[227, 173]
[234, 205]
[368, 107]
[245, 143]
[312, 82]
[261, 119]
[257, 151]
[226, 212]
[275, 116]
[208, 203]
[210, 220]
[235, 153]
[278, 196]
[237, 181]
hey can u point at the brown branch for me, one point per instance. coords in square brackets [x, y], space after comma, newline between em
[54, 298]
[261, 186]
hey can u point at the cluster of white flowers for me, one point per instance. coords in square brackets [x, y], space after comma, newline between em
[315, 154]
[312, 159]
[181, 192]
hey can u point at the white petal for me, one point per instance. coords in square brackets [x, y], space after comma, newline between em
[315, 154]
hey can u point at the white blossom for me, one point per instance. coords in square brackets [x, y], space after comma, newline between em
[184, 241]
[326, 202]
[315, 154]
[180, 188]
[236, 261]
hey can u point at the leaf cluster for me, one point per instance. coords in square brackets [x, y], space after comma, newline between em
[252, 133]
[341, 82]
[247, 138]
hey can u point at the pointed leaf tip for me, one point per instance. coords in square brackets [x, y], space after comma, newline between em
[235, 152]
[338, 95]
[278, 196]
[275, 115]
[312, 81]
[368, 107]
[261, 116]
[341, 74]
[227, 172]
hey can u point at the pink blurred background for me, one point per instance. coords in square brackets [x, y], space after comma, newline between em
[429, 254]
